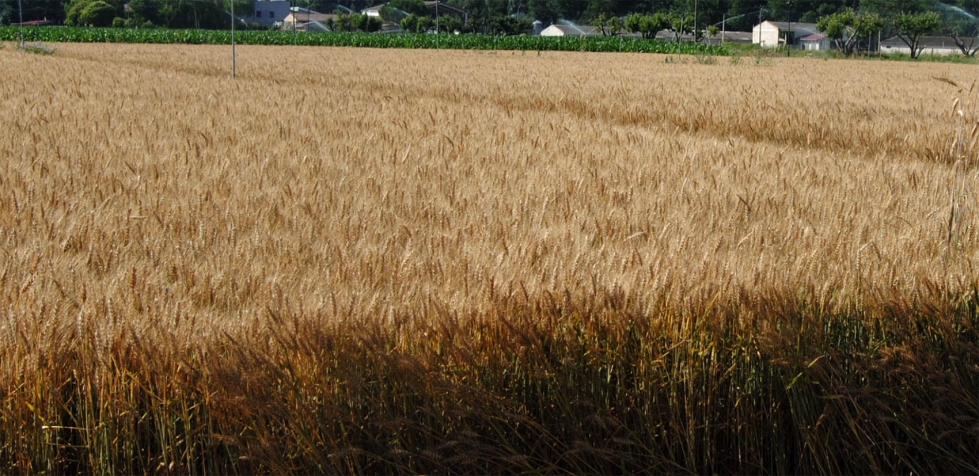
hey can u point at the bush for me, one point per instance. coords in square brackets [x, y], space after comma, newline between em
[364, 23]
[372, 24]
[449, 24]
[506, 25]
[410, 23]
[98, 13]
[38, 49]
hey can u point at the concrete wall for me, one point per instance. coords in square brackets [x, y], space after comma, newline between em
[938, 51]
[765, 34]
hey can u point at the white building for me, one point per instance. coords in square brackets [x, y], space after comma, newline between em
[307, 20]
[268, 12]
[771, 34]
[374, 11]
[815, 42]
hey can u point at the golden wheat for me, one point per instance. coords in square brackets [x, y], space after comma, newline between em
[370, 181]
[146, 197]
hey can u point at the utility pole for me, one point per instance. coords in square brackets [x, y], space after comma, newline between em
[723, 27]
[759, 27]
[234, 60]
[788, 36]
[695, 34]
[20, 13]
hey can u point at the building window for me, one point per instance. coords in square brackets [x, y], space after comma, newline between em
[258, 14]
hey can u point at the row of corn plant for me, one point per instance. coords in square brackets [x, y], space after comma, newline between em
[372, 40]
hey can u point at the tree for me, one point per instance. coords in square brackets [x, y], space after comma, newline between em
[963, 28]
[97, 13]
[780, 9]
[911, 27]
[87, 13]
[615, 26]
[355, 22]
[711, 12]
[889, 8]
[417, 24]
[680, 25]
[344, 23]
[142, 11]
[449, 24]
[410, 23]
[507, 25]
[646, 25]
[968, 45]
[572, 9]
[601, 24]
[713, 31]
[547, 11]
[207, 14]
[369, 24]
[596, 8]
[51, 10]
[425, 24]
[847, 26]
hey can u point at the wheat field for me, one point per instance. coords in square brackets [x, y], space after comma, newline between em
[355, 260]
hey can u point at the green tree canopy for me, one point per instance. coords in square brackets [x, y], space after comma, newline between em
[365, 23]
[679, 25]
[91, 12]
[207, 14]
[599, 7]
[508, 25]
[31, 10]
[911, 27]
[409, 23]
[547, 11]
[449, 24]
[646, 25]
[97, 13]
[847, 26]
[890, 8]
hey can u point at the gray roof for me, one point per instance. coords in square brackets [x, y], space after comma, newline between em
[735, 36]
[732, 36]
[800, 29]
